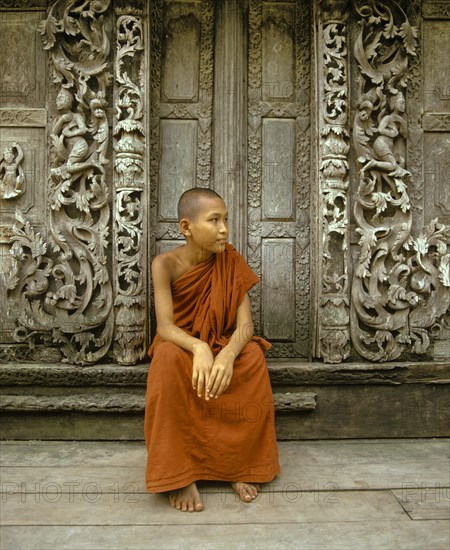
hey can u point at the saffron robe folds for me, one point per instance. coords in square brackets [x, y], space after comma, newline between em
[231, 438]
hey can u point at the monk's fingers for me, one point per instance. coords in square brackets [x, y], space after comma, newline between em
[223, 385]
[200, 383]
[212, 382]
[215, 379]
[195, 374]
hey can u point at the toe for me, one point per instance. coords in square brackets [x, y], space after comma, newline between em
[198, 505]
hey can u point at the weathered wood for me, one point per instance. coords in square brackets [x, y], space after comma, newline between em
[358, 411]
[422, 502]
[294, 401]
[337, 535]
[92, 403]
[395, 373]
[416, 466]
[230, 128]
[144, 509]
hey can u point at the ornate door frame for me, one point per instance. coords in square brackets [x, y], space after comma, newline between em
[380, 289]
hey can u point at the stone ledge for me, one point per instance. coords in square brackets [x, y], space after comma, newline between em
[285, 373]
[342, 412]
[127, 402]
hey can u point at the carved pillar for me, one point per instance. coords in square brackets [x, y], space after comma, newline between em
[230, 137]
[333, 343]
[130, 242]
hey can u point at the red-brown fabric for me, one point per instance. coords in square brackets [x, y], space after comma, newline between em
[231, 438]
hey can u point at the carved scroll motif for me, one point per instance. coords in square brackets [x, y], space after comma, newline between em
[401, 283]
[334, 333]
[60, 288]
[129, 146]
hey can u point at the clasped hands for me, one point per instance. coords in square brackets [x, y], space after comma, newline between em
[211, 376]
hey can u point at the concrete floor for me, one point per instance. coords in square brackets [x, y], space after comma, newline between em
[353, 494]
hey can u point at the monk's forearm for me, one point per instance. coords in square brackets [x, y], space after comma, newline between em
[176, 335]
[240, 337]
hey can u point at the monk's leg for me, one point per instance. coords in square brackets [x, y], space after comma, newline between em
[246, 491]
[186, 499]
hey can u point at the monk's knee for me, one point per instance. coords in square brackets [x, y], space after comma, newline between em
[168, 356]
[253, 349]
[170, 349]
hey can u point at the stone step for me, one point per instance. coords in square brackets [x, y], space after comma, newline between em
[127, 402]
[312, 400]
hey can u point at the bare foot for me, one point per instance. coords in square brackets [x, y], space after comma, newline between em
[246, 491]
[186, 499]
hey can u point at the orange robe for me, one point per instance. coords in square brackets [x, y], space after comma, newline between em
[231, 438]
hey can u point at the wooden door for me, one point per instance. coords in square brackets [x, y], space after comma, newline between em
[230, 96]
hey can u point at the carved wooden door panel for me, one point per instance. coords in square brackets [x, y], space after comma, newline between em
[278, 176]
[56, 181]
[23, 120]
[256, 154]
[181, 81]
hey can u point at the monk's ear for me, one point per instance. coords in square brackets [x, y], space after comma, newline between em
[185, 227]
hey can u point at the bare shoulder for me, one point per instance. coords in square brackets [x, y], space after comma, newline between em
[166, 266]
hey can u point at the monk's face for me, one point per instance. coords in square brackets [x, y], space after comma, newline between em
[208, 230]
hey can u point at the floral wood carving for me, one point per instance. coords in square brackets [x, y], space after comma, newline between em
[401, 283]
[129, 241]
[334, 333]
[60, 286]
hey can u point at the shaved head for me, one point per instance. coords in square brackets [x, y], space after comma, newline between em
[190, 202]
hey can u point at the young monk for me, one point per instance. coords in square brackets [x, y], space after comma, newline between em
[209, 407]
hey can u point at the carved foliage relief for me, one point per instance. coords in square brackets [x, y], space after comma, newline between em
[60, 285]
[401, 282]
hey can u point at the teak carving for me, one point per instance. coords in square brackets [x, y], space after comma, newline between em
[60, 288]
[129, 242]
[134, 113]
[12, 177]
[401, 283]
[334, 333]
